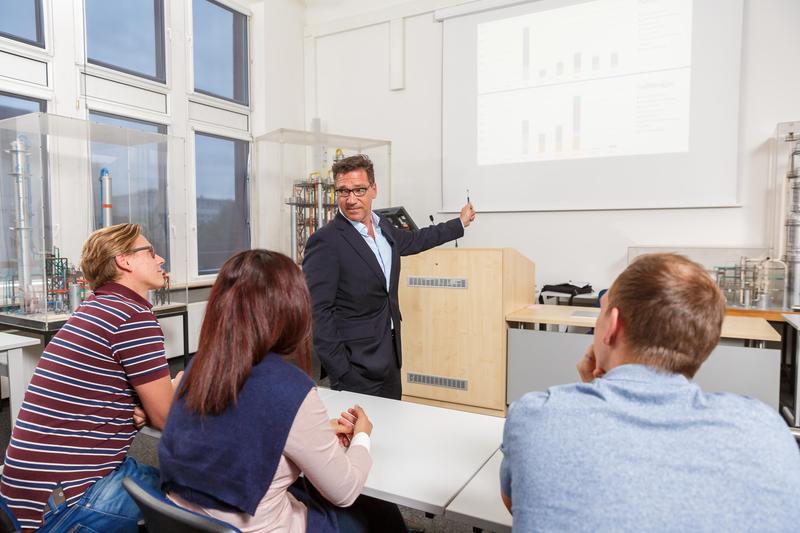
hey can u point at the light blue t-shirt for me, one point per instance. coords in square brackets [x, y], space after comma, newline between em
[642, 450]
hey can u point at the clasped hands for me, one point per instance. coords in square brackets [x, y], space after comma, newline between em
[350, 422]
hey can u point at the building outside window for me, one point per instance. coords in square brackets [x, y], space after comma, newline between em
[220, 51]
[127, 36]
[21, 20]
[138, 196]
[221, 191]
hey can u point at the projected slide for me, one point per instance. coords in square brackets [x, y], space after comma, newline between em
[597, 79]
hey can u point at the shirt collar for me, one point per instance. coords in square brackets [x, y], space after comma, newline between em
[113, 287]
[361, 227]
[644, 373]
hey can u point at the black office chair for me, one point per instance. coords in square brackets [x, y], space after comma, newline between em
[163, 516]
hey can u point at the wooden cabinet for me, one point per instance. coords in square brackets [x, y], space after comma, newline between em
[454, 302]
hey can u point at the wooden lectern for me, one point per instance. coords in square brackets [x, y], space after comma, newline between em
[454, 302]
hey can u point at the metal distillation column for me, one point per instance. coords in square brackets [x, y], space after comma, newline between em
[792, 258]
[105, 197]
[22, 227]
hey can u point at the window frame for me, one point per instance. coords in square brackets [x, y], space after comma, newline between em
[162, 128]
[246, 41]
[193, 274]
[41, 101]
[159, 16]
[40, 32]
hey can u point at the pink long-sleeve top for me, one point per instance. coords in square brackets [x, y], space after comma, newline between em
[312, 448]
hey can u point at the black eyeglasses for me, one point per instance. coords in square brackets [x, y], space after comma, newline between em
[143, 248]
[358, 192]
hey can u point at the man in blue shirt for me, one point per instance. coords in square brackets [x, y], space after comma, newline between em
[637, 445]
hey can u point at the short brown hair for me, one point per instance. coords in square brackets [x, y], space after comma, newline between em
[259, 305]
[100, 249]
[355, 162]
[671, 312]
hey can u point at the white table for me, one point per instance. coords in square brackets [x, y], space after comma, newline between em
[479, 503]
[422, 455]
[23, 354]
[539, 359]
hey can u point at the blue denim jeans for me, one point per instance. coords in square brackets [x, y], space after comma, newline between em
[106, 507]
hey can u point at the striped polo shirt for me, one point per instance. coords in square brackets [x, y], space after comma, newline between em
[76, 421]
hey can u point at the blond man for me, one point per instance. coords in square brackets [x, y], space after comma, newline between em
[100, 376]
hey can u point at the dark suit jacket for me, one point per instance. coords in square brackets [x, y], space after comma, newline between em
[352, 308]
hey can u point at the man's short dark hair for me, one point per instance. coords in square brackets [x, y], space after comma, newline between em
[355, 162]
[671, 311]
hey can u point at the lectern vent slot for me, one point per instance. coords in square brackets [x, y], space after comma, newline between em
[437, 283]
[437, 381]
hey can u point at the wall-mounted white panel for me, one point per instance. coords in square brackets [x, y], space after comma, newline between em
[608, 104]
[197, 311]
[113, 91]
[23, 69]
[173, 335]
[217, 116]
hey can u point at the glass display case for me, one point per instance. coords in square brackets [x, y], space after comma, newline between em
[304, 173]
[749, 277]
[62, 178]
[784, 210]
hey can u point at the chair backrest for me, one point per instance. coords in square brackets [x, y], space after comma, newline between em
[163, 516]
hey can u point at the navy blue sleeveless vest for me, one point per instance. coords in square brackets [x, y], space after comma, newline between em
[228, 461]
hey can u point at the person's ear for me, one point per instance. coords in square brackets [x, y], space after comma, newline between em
[122, 263]
[613, 326]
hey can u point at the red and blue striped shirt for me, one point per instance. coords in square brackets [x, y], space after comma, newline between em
[76, 421]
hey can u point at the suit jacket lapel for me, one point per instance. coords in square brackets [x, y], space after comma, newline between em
[354, 239]
[387, 229]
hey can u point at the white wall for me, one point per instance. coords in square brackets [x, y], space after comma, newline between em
[278, 102]
[352, 96]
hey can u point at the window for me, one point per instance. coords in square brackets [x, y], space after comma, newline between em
[223, 222]
[127, 36]
[220, 51]
[13, 106]
[138, 187]
[22, 20]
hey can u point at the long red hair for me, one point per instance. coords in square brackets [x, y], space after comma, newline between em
[259, 304]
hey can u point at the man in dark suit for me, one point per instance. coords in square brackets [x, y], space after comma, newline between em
[352, 265]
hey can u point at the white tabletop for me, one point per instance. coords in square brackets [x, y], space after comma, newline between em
[793, 320]
[324, 392]
[479, 504]
[10, 342]
[422, 455]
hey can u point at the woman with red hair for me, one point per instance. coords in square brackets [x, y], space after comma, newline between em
[245, 422]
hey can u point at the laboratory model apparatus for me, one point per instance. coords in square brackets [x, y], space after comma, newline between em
[311, 198]
[56, 188]
[788, 144]
[748, 277]
[312, 204]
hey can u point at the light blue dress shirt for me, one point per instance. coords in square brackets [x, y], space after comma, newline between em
[379, 245]
[643, 450]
